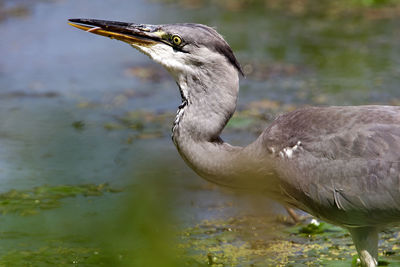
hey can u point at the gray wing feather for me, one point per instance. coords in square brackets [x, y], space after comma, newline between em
[348, 166]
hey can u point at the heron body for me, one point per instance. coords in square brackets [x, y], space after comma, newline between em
[341, 164]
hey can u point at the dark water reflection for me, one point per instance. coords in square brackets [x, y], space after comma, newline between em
[59, 87]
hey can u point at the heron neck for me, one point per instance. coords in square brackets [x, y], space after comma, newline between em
[204, 112]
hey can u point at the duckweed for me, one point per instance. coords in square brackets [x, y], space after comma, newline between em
[30, 202]
[262, 242]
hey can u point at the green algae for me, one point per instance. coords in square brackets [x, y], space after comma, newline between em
[128, 230]
[54, 256]
[31, 202]
[142, 124]
[78, 125]
[236, 241]
[258, 241]
[58, 253]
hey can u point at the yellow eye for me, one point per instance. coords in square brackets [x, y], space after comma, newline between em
[176, 40]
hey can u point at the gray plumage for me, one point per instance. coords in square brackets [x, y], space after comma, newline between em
[341, 164]
[347, 170]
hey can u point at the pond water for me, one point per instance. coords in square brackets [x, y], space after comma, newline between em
[81, 109]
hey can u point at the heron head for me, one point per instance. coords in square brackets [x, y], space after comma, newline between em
[181, 48]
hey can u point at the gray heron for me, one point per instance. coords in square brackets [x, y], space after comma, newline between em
[338, 163]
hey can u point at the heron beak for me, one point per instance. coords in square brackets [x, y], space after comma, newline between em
[131, 33]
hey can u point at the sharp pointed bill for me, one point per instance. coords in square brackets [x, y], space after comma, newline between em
[134, 34]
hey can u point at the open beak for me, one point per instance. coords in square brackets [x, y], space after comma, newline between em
[134, 34]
